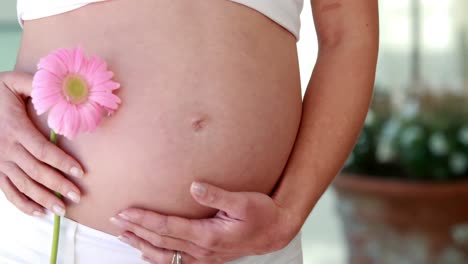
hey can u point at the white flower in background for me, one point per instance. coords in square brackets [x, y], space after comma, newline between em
[458, 162]
[386, 148]
[385, 151]
[463, 135]
[438, 144]
[411, 134]
[410, 110]
[391, 128]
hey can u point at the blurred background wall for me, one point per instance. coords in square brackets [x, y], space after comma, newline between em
[433, 31]
[9, 34]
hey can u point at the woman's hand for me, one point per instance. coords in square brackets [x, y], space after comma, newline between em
[247, 224]
[28, 161]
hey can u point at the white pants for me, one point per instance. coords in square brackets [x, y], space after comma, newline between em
[27, 240]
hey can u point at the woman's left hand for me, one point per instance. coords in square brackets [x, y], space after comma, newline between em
[247, 223]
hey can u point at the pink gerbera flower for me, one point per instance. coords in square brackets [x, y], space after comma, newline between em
[76, 90]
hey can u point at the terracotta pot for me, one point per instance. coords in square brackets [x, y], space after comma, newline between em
[398, 222]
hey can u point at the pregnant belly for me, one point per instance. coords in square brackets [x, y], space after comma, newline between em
[210, 92]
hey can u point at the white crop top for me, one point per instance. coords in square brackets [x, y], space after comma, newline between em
[284, 12]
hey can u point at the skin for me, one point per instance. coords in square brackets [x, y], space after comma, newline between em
[186, 116]
[246, 221]
[28, 160]
[334, 109]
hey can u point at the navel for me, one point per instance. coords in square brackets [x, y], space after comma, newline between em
[199, 123]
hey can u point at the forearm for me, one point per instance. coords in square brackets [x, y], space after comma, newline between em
[334, 109]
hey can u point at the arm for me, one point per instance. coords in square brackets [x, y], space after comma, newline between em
[335, 103]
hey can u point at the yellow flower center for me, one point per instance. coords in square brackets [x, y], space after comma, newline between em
[75, 89]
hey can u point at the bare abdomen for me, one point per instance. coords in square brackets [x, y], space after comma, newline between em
[210, 92]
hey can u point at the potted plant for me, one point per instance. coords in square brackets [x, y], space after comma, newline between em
[403, 192]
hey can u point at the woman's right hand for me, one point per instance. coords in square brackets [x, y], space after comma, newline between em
[30, 165]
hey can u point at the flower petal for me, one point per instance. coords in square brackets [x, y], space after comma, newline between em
[96, 64]
[107, 100]
[44, 77]
[84, 127]
[106, 86]
[71, 122]
[43, 104]
[53, 64]
[55, 118]
[46, 91]
[66, 131]
[91, 115]
[80, 61]
[75, 122]
[101, 77]
[40, 92]
[68, 58]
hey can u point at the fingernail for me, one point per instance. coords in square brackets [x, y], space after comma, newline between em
[117, 222]
[38, 213]
[58, 210]
[76, 172]
[145, 258]
[74, 197]
[198, 189]
[124, 216]
[124, 239]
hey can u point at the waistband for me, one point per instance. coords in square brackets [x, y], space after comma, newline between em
[286, 13]
[27, 240]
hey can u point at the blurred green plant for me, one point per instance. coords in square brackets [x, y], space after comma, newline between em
[423, 138]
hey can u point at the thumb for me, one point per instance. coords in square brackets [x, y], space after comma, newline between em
[215, 197]
[18, 82]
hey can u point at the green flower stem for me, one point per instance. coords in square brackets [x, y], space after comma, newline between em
[56, 235]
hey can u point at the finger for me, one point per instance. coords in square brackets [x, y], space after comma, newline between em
[145, 258]
[46, 175]
[31, 189]
[49, 153]
[206, 233]
[152, 253]
[233, 203]
[18, 199]
[162, 241]
[148, 260]
[19, 82]
[162, 224]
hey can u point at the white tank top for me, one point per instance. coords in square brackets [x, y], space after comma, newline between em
[284, 12]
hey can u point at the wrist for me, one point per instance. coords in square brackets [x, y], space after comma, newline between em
[295, 209]
[289, 226]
